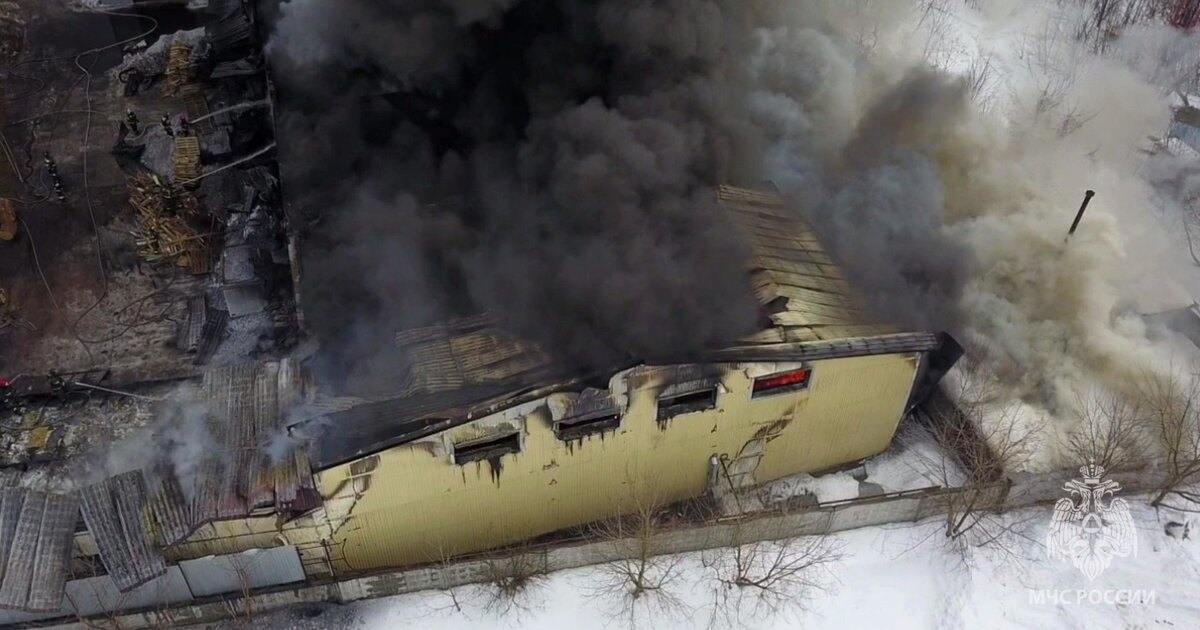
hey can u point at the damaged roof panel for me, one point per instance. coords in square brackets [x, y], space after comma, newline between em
[241, 477]
[172, 520]
[36, 529]
[367, 428]
[793, 273]
[135, 515]
[59, 517]
[467, 352]
[114, 511]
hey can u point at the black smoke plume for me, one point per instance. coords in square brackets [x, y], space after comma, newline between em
[553, 161]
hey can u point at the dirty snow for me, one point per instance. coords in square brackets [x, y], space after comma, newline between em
[914, 462]
[833, 487]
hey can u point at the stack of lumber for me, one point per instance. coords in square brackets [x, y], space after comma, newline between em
[179, 69]
[163, 233]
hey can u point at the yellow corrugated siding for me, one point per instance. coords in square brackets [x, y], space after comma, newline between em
[851, 412]
[417, 505]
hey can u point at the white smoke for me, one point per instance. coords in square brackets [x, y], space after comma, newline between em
[1046, 120]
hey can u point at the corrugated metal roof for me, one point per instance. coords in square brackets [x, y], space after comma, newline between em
[36, 529]
[245, 403]
[233, 32]
[793, 273]
[467, 352]
[115, 512]
[135, 515]
[172, 520]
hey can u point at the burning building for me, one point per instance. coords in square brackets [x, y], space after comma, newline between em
[491, 442]
[601, 323]
[487, 441]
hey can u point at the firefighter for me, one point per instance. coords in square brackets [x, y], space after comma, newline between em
[9, 400]
[51, 166]
[185, 128]
[58, 189]
[166, 123]
[59, 387]
[132, 120]
[169, 200]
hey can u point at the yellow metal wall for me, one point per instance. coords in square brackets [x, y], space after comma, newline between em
[411, 504]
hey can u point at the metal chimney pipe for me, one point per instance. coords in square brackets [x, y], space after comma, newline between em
[1087, 196]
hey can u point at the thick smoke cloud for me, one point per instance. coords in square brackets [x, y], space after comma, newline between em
[553, 161]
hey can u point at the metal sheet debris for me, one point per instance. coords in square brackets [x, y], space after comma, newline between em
[36, 530]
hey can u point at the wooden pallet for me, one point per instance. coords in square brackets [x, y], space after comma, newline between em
[179, 69]
[187, 159]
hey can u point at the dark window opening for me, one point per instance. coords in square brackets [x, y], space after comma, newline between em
[575, 428]
[691, 402]
[793, 381]
[487, 449]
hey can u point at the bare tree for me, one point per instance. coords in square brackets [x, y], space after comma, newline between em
[980, 78]
[1172, 420]
[511, 579]
[642, 579]
[1109, 430]
[982, 437]
[241, 608]
[1104, 20]
[757, 579]
[443, 562]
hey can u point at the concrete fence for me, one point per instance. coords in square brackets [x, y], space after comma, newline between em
[1021, 491]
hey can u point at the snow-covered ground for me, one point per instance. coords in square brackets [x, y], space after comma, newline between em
[898, 577]
[914, 462]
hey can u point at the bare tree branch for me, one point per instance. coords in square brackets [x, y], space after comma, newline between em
[511, 580]
[644, 582]
[1172, 420]
[758, 580]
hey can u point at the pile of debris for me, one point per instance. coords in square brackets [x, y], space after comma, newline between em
[165, 232]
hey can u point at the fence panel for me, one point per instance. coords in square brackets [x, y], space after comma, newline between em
[239, 572]
[856, 515]
[99, 595]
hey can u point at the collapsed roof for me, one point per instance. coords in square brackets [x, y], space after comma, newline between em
[135, 515]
